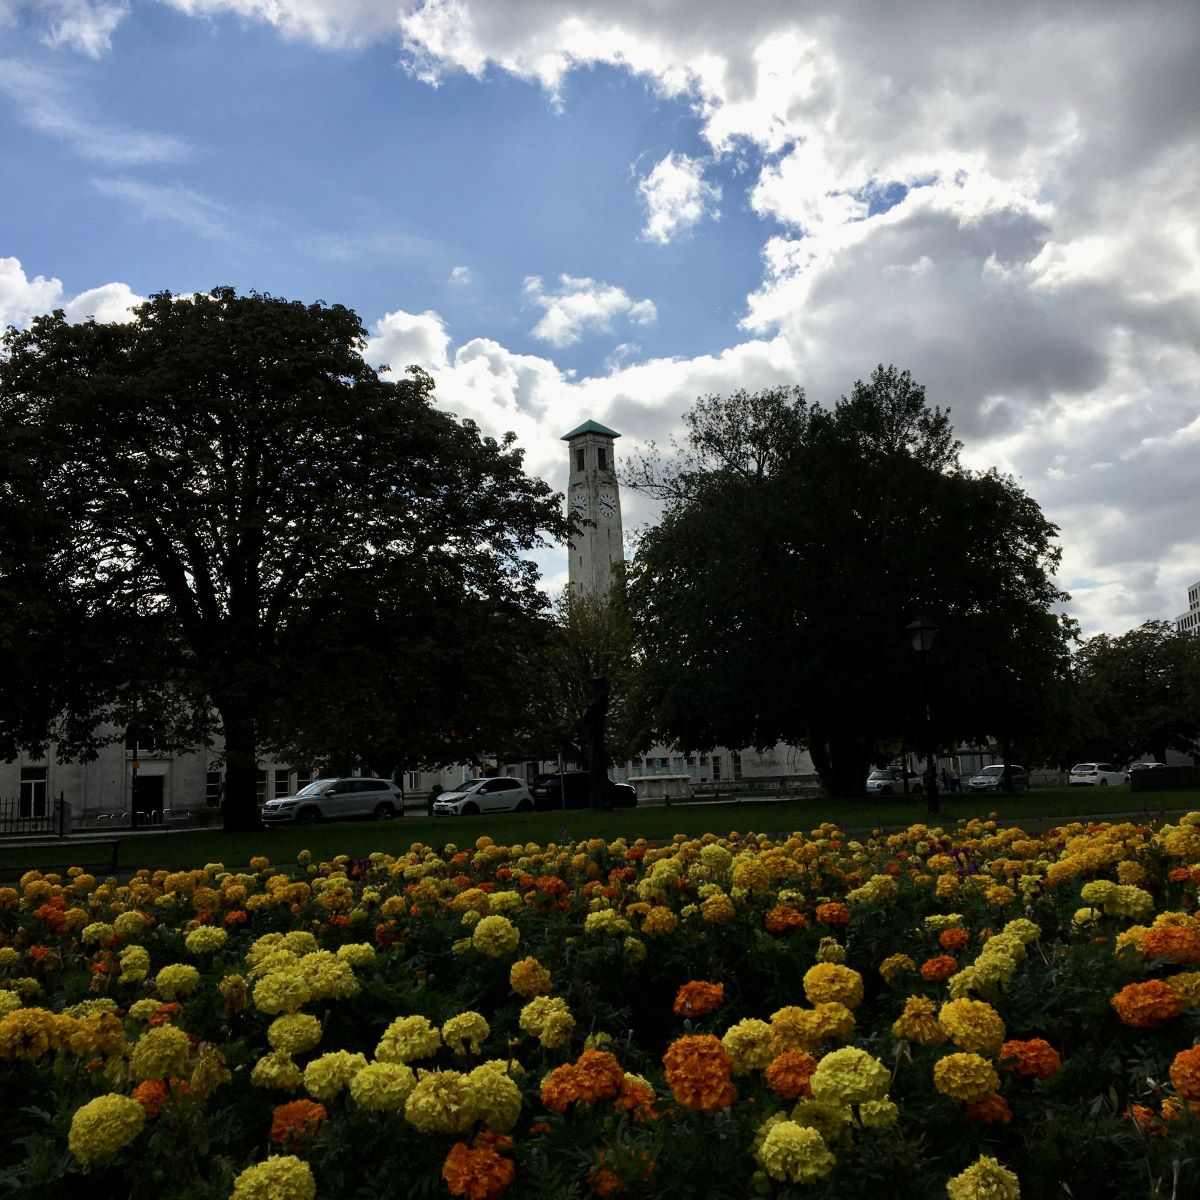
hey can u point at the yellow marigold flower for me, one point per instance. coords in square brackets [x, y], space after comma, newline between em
[832, 1021]
[918, 1023]
[659, 922]
[357, 954]
[95, 1034]
[465, 1033]
[972, 1025]
[159, 1053]
[408, 1038]
[495, 1096]
[280, 1177]
[206, 939]
[143, 1010]
[282, 992]
[749, 1042]
[830, 950]
[234, 992]
[209, 1072]
[832, 983]
[1129, 871]
[471, 900]
[382, 1086]
[985, 1179]
[718, 909]
[103, 1126]
[1186, 985]
[259, 862]
[9, 1002]
[751, 874]
[999, 895]
[895, 967]
[326, 1076]
[540, 1011]
[529, 978]
[176, 981]
[440, 1103]
[294, 1033]
[849, 1076]
[793, 1153]
[947, 887]
[879, 1114]
[329, 977]
[28, 1033]
[606, 921]
[965, 1077]
[277, 1072]
[495, 936]
[97, 934]
[10, 957]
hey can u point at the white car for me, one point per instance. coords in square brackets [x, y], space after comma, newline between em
[500, 794]
[1138, 767]
[1095, 774]
[889, 781]
[333, 799]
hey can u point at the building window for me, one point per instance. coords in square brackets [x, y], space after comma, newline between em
[282, 782]
[261, 787]
[602, 458]
[716, 765]
[735, 761]
[212, 789]
[579, 460]
[413, 781]
[140, 741]
[33, 791]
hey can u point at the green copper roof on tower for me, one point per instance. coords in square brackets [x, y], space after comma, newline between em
[589, 427]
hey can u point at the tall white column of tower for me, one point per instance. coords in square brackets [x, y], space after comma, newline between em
[593, 496]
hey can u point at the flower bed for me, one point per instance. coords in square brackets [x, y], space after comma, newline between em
[976, 1013]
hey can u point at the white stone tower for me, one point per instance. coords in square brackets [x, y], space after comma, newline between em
[593, 496]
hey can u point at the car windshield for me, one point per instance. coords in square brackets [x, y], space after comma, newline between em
[468, 785]
[880, 775]
[317, 785]
[1082, 767]
[992, 771]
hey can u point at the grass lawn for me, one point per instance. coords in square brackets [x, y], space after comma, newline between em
[181, 850]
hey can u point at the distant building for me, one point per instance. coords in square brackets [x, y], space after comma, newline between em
[1189, 622]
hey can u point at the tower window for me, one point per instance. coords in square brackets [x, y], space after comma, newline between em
[601, 458]
[579, 459]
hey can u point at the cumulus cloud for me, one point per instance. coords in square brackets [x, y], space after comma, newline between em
[22, 298]
[460, 276]
[582, 304]
[676, 197]
[400, 339]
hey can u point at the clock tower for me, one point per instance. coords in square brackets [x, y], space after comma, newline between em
[593, 497]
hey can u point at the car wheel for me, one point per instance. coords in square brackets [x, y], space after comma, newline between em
[307, 816]
[525, 806]
[470, 809]
[384, 812]
[885, 791]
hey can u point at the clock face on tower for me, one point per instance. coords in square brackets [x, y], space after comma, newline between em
[579, 504]
[608, 504]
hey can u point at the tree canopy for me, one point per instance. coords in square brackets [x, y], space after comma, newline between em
[796, 545]
[220, 507]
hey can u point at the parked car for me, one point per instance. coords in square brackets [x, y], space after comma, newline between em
[1095, 774]
[889, 781]
[497, 794]
[991, 778]
[333, 800]
[548, 791]
[1144, 766]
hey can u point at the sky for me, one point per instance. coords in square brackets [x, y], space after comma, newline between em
[574, 209]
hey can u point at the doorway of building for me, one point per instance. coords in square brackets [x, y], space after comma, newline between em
[147, 800]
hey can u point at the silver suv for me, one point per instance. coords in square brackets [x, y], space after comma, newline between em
[889, 781]
[991, 779]
[335, 799]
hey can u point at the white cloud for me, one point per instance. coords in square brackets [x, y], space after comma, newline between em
[400, 339]
[83, 25]
[22, 298]
[677, 197]
[372, 245]
[173, 203]
[44, 102]
[460, 275]
[582, 304]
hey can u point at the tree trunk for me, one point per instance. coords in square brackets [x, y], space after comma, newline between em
[240, 809]
[842, 763]
[595, 719]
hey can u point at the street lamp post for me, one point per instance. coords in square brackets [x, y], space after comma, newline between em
[921, 633]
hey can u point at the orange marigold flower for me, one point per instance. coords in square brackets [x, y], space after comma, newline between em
[295, 1120]
[1185, 1073]
[1146, 1119]
[1147, 1005]
[1034, 1058]
[479, 1172]
[598, 1076]
[788, 1074]
[1175, 943]
[941, 966]
[238, 916]
[163, 1014]
[953, 938]
[699, 1072]
[834, 913]
[783, 918]
[638, 1099]
[697, 998]
[989, 1110]
[559, 1088]
[151, 1094]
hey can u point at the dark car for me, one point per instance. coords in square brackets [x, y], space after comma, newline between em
[548, 792]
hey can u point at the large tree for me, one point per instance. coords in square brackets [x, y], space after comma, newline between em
[1136, 693]
[220, 508]
[796, 545]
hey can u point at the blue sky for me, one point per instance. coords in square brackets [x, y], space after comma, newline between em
[568, 209]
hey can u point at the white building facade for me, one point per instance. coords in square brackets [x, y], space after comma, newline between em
[1189, 622]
